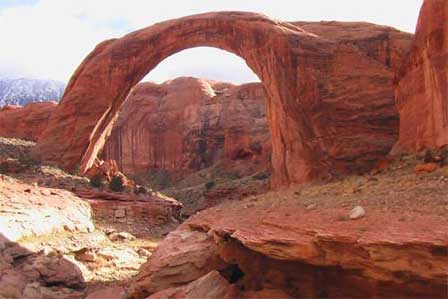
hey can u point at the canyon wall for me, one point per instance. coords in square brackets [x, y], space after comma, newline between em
[328, 90]
[422, 91]
[355, 119]
[188, 124]
[26, 122]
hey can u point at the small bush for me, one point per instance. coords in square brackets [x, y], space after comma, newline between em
[116, 184]
[4, 167]
[209, 185]
[97, 181]
[156, 179]
[140, 190]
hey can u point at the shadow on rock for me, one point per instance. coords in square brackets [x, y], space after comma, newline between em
[33, 273]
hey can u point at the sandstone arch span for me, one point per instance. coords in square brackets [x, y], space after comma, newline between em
[296, 69]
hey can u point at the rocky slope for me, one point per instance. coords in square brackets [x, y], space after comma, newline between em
[24, 90]
[422, 91]
[62, 239]
[309, 243]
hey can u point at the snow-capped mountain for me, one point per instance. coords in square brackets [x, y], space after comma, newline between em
[22, 91]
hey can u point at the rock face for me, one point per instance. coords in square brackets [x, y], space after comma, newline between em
[152, 210]
[26, 122]
[422, 91]
[212, 286]
[33, 211]
[189, 124]
[184, 257]
[266, 252]
[322, 109]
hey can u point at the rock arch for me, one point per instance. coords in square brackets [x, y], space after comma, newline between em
[295, 67]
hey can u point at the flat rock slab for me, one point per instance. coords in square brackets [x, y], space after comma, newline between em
[27, 210]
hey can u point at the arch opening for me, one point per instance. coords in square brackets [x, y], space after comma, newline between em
[205, 63]
[326, 115]
[99, 87]
[193, 132]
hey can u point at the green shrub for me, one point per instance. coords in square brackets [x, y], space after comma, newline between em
[116, 184]
[209, 185]
[97, 181]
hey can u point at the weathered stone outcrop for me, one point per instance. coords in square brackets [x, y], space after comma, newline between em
[152, 209]
[318, 101]
[27, 211]
[422, 91]
[269, 251]
[382, 43]
[184, 257]
[26, 122]
[189, 124]
[211, 286]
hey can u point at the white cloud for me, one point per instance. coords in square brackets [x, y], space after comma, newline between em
[50, 38]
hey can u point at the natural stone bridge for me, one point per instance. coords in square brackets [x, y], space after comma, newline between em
[330, 101]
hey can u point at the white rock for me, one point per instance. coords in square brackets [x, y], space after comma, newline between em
[357, 213]
[121, 236]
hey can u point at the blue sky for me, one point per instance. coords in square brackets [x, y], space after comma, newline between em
[12, 3]
[50, 38]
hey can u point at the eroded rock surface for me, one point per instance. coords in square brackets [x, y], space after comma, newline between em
[188, 124]
[49, 247]
[322, 109]
[140, 212]
[274, 251]
[27, 210]
[422, 91]
[183, 257]
[302, 243]
[211, 286]
[26, 122]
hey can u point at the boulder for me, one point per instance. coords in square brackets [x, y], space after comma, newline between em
[210, 286]
[426, 168]
[184, 257]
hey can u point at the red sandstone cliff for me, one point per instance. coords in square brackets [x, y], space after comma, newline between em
[328, 93]
[355, 128]
[188, 124]
[26, 122]
[422, 91]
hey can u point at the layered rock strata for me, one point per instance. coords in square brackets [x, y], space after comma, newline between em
[188, 124]
[27, 122]
[267, 251]
[318, 101]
